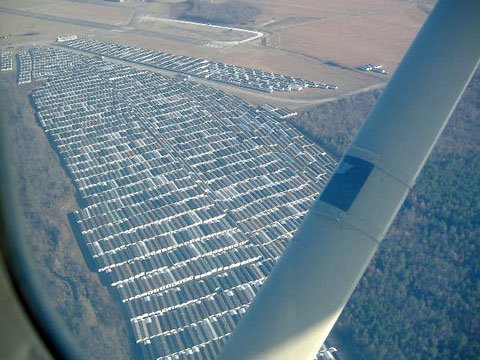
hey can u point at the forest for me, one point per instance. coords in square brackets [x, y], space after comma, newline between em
[47, 195]
[419, 298]
[232, 12]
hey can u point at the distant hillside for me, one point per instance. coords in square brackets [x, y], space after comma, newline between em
[230, 12]
[419, 299]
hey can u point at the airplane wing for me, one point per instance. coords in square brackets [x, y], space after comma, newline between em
[310, 285]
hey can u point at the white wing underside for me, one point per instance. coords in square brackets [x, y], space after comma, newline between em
[310, 285]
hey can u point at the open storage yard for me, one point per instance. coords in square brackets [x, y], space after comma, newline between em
[211, 70]
[188, 195]
[6, 62]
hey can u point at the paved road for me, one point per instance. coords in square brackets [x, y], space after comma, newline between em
[237, 90]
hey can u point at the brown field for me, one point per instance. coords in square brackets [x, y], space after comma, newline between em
[380, 36]
[113, 15]
[38, 31]
[304, 38]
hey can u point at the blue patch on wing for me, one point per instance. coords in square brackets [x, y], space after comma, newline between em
[346, 182]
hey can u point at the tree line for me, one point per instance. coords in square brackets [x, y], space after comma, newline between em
[419, 298]
[230, 12]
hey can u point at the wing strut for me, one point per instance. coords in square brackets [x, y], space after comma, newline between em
[310, 285]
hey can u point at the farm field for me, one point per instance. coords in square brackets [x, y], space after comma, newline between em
[377, 34]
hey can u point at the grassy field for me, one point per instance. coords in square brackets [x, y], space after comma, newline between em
[101, 12]
[25, 31]
[212, 34]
